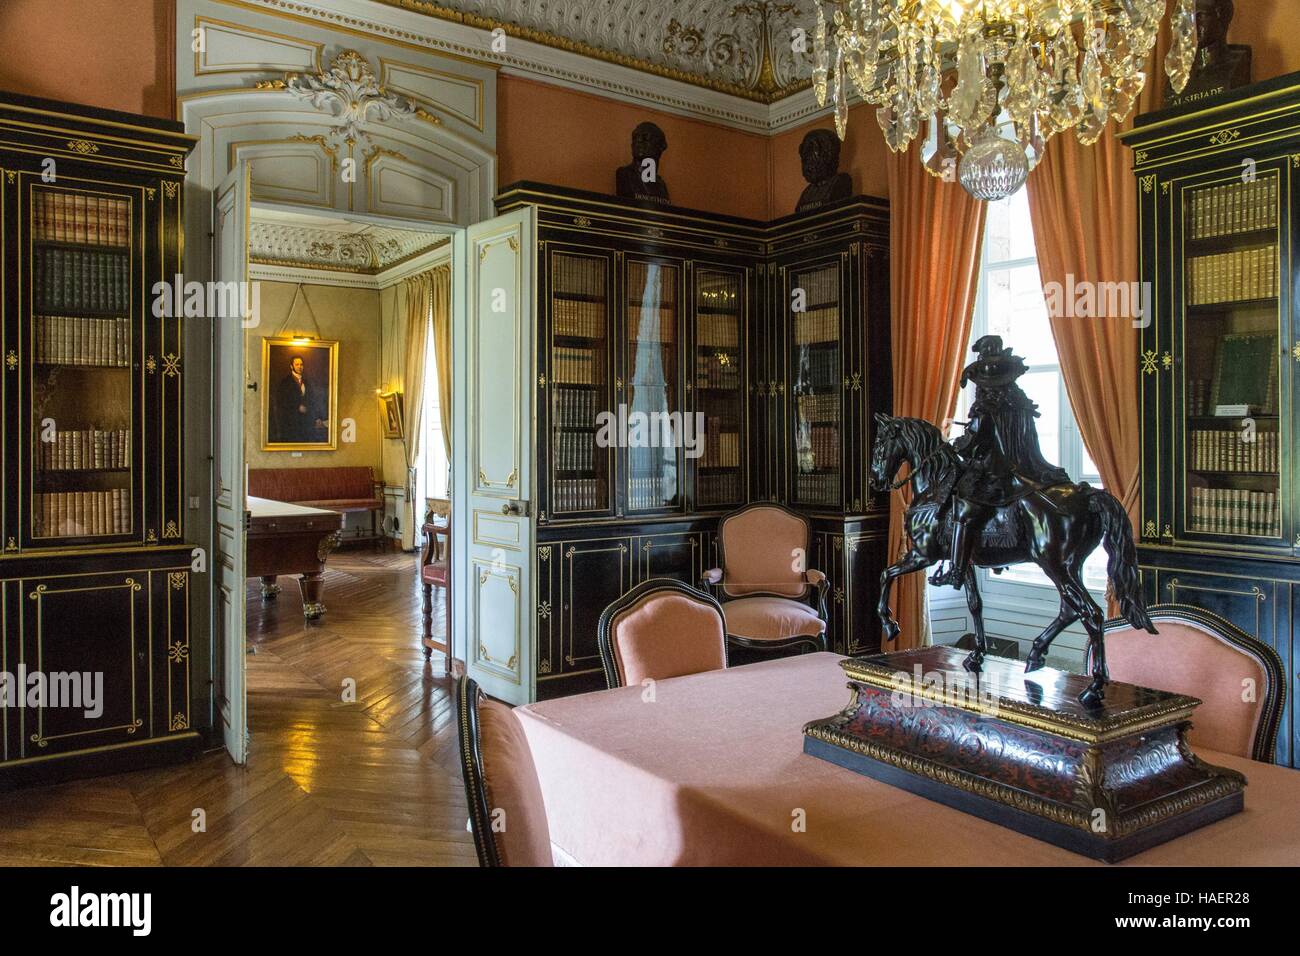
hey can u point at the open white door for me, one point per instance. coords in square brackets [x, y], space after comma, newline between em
[230, 215]
[492, 515]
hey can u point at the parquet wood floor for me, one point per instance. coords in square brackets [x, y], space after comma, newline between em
[328, 782]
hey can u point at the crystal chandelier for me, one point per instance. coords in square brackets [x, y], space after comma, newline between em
[993, 80]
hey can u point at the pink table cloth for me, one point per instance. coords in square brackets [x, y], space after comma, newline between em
[711, 771]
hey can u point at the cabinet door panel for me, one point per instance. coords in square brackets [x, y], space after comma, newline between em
[652, 387]
[815, 299]
[1228, 348]
[717, 385]
[592, 574]
[675, 556]
[577, 355]
[84, 461]
[74, 630]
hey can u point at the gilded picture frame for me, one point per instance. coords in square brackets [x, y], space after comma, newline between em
[299, 401]
[391, 415]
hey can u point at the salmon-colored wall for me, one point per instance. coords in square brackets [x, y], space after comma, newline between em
[114, 54]
[555, 135]
[862, 156]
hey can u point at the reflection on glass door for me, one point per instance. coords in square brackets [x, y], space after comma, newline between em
[1231, 357]
[653, 414]
[815, 387]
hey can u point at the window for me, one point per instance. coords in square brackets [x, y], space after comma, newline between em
[1010, 303]
[433, 452]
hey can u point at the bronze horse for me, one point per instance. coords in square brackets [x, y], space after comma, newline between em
[1056, 527]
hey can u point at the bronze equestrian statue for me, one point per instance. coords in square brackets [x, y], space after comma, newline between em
[991, 500]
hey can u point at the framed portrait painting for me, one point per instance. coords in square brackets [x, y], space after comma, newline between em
[390, 414]
[299, 394]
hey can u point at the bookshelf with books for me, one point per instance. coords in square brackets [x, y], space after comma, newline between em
[1219, 362]
[94, 562]
[717, 389]
[655, 321]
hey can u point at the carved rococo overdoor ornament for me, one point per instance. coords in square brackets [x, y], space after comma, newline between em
[350, 91]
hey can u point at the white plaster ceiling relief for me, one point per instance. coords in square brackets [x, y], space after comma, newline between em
[741, 47]
[336, 245]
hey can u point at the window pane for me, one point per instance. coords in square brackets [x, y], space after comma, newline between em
[1017, 311]
[1009, 233]
[1045, 389]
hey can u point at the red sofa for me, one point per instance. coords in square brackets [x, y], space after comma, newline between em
[346, 490]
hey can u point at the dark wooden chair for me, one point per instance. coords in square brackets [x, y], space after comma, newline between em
[1238, 678]
[435, 571]
[506, 812]
[661, 628]
[768, 603]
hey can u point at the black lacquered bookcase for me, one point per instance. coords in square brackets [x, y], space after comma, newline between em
[663, 310]
[94, 564]
[1219, 366]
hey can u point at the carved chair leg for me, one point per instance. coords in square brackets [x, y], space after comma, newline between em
[426, 618]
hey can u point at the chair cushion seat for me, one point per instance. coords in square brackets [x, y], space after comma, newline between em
[434, 573]
[771, 619]
[344, 504]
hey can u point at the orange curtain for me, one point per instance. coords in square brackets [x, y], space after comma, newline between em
[1082, 200]
[1083, 204]
[936, 231]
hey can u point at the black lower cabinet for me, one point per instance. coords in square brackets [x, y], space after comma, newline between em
[96, 665]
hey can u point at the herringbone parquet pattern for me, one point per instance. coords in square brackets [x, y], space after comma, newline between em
[328, 783]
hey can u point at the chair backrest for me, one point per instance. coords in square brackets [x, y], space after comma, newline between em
[506, 811]
[661, 628]
[760, 548]
[1238, 678]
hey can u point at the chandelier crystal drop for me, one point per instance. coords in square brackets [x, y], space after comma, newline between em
[980, 75]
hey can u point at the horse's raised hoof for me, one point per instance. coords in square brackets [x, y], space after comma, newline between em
[974, 662]
[892, 631]
[1034, 662]
[1093, 695]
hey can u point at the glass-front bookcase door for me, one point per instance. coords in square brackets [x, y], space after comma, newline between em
[814, 296]
[1230, 398]
[78, 365]
[650, 417]
[581, 458]
[718, 386]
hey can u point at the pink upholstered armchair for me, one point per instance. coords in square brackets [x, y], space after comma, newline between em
[500, 776]
[1238, 678]
[768, 602]
[661, 628]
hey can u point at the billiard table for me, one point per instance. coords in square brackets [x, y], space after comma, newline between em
[283, 538]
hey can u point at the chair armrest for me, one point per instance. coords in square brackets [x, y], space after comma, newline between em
[709, 582]
[820, 586]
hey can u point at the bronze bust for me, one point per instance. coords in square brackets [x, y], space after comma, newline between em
[1219, 65]
[640, 178]
[819, 154]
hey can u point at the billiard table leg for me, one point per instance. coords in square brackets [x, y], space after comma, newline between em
[310, 584]
[269, 588]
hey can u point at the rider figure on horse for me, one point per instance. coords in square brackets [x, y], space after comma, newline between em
[1000, 454]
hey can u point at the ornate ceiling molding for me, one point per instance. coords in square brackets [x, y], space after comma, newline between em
[691, 78]
[743, 49]
[335, 245]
